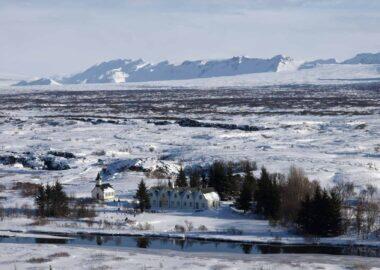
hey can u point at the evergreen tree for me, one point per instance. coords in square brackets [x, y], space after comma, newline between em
[248, 188]
[40, 200]
[267, 196]
[321, 215]
[52, 201]
[249, 178]
[143, 196]
[334, 215]
[262, 192]
[49, 206]
[59, 201]
[218, 178]
[274, 200]
[181, 180]
[195, 178]
[245, 197]
[233, 181]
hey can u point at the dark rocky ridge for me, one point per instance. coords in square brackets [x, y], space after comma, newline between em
[186, 122]
[37, 162]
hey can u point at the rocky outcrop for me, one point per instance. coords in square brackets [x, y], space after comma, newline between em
[38, 162]
[186, 122]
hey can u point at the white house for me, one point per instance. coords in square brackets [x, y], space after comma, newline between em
[183, 198]
[103, 192]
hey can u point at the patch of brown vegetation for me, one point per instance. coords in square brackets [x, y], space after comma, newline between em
[59, 255]
[27, 189]
[101, 267]
[39, 222]
[38, 260]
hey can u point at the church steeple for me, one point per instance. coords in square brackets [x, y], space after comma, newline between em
[98, 180]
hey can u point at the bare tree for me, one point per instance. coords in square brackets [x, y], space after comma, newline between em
[367, 211]
[371, 191]
[372, 215]
[294, 190]
[345, 190]
[359, 215]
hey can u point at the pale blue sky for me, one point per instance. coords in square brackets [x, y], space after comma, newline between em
[45, 37]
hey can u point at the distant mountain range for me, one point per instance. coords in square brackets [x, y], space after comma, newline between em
[315, 63]
[42, 81]
[127, 70]
[364, 58]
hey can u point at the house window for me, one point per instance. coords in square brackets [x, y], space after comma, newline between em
[191, 204]
[203, 205]
[200, 197]
[175, 195]
[184, 204]
[188, 196]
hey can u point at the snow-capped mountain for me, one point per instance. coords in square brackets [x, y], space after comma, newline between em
[41, 81]
[126, 70]
[140, 71]
[112, 71]
[364, 58]
[315, 63]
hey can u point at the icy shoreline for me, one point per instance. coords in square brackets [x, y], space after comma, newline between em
[239, 239]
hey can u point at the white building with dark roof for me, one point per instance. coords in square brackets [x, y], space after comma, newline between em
[102, 192]
[183, 198]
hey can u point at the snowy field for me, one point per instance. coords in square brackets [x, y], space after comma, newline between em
[32, 256]
[331, 131]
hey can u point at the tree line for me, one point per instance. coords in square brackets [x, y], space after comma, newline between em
[292, 200]
[297, 202]
[52, 201]
[224, 177]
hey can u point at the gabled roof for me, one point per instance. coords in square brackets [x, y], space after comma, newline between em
[213, 196]
[183, 191]
[105, 186]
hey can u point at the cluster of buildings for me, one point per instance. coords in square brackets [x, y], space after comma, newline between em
[183, 198]
[165, 197]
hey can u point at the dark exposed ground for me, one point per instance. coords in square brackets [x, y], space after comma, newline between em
[351, 99]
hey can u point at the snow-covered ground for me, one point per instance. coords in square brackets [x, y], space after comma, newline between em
[214, 225]
[333, 134]
[223, 223]
[33, 256]
[332, 131]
